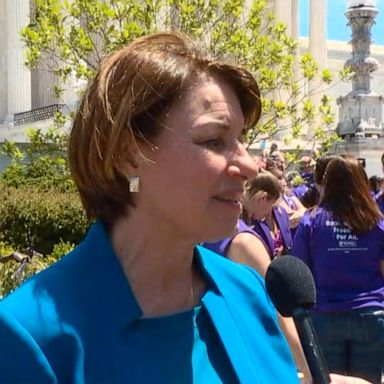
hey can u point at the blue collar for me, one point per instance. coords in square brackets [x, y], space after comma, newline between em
[113, 294]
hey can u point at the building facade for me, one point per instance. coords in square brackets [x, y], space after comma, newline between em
[23, 90]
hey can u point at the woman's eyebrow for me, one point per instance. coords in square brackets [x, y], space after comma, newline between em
[215, 124]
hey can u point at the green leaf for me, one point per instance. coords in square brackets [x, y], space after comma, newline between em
[326, 76]
[77, 34]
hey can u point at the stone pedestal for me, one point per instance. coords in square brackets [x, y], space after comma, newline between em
[360, 115]
[360, 112]
[366, 148]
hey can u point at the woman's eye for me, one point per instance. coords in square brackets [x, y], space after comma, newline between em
[243, 137]
[214, 144]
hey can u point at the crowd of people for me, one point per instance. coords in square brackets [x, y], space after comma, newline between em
[341, 239]
[338, 234]
[167, 286]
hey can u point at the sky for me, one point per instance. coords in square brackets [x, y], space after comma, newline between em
[337, 22]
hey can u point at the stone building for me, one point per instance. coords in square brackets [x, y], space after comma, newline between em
[27, 96]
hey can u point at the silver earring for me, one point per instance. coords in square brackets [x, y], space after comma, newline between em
[134, 186]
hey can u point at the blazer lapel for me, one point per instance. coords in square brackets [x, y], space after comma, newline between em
[284, 229]
[229, 333]
[262, 228]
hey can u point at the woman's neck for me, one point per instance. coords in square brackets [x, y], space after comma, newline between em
[271, 223]
[160, 269]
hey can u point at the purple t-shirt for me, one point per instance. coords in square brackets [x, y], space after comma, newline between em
[345, 266]
[379, 198]
[288, 199]
[300, 190]
[221, 247]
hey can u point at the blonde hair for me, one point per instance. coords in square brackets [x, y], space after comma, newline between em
[264, 182]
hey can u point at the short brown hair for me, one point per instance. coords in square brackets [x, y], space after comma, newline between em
[123, 107]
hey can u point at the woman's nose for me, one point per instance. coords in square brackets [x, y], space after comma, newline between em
[242, 164]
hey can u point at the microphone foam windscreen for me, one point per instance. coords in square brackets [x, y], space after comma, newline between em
[290, 284]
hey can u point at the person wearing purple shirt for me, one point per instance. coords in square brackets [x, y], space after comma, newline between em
[291, 205]
[342, 241]
[275, 232]
[300, 190]
[379, 196]
[266, 215]
[222, 247]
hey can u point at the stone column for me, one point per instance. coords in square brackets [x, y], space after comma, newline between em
[317, 48]
[43, 85]
[72, 85]
[3, 64]
[283, 12]
[43, 78]
[18, 76]
[318, 32]
[295, 35]
[295, 19]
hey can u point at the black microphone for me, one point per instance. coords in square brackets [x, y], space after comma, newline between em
[292, 289]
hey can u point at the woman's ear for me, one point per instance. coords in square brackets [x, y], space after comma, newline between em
[125, 167]
[257, 196]
[264, 195]
[133, 153]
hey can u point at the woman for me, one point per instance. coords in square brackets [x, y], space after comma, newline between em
[156, 152]
[291, 205]
[379, 196]
[266, 216]
[291, 182]
[342, 241]
[311, 197]
[245, 245]
[375, 185]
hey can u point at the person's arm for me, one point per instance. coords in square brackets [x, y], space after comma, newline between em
[299, 205]
[289, 329]
[248, 249]
[339, 379]
[294, 215]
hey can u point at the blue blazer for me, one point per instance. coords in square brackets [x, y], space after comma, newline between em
[65, 324]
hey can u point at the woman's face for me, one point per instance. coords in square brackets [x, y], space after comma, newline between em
[195, 186]
[260, 205]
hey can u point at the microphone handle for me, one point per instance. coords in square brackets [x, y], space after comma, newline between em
[310, 344]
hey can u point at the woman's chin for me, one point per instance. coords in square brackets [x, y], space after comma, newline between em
[220, 235]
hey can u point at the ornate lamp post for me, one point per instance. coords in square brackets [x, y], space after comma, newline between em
[361, 109]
